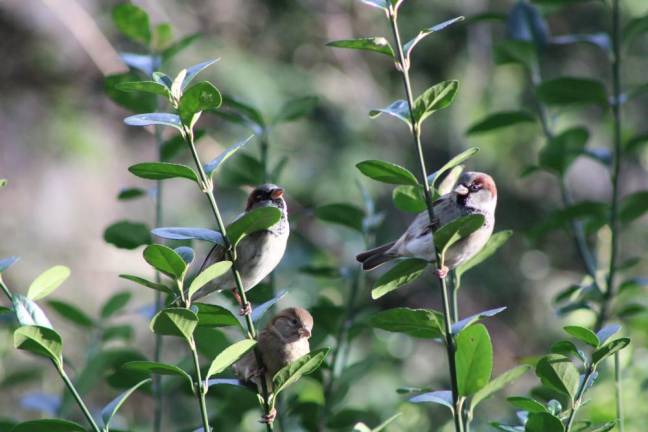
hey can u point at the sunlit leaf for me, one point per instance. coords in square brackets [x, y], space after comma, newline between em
[229, 356]
[157, 368]
[47, 282]
[215, 316]
[409, 198]
[196, 99]
[148, 119]
[455, 161]
[409, 46]
[387, 172]
[460, 325]
[259, 219]
[401, 274]
[194, 70]
[398, 109]
[498, 383]
[455, 230]
[304, 365]
[149, 284]
[40, 340]
[474, 359]
[377, 44]
[606, 332]
[175, 322]
[189, 233]
[207, 275]
[419, 323]
[440, 397]
[527, 404]
[211, 167]
[433, 99]
[558, 373]
[583, 334]
[28, 312]
[609, 349]
[165, 260]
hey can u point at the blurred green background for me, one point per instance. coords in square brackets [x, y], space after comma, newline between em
[65, 152]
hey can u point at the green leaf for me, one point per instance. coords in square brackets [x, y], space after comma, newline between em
[165, 260]
[48, 425]
[409, 46]
[409, 199]
[433, 99]
[377, 44]
[161, 37]
[207, 275]
[606, 332]
[3, 182]
[211, 167]
[47, 282]
[387, 172]
[455, 230]
[526, 404]
[259, 219]
[559, 373]
[515, 52]
[5, 263]
[608, 349]
[189, 233]
[401, 274]
[418, 323]
[567, 349]
[40, 340]
[149, 119]
[495, 242]
[455, 161]
[543, 422]
[109, 411]
[141, 281]
[304, 365]
[196, 99]
[131, 193]
[474, 359]
[179, 45]
[635, 27]
[175, 322]
[558, 154]
[500, 120]
[71, 313]
[635, 143]
[28, 312]
[215, 316]
[398, 109]
[346, 215]
[115, 303]
[132, 22]
[135, 102]
[144, 86]
[296, 108]
[498, 383]
[583, 334]
[569, 91]
[157, 368]
[633, 206]
[229, 356]
[128, 235]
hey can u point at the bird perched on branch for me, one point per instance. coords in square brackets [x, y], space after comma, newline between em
[475, 193]
[258, 253]
[282, 341]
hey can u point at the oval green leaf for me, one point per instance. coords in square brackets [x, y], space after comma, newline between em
[151, 119]
[559, 373]
[207, 275]
[40, 340]
[456, 230]
[401, 274]
[387, 172]
[47, 282]
[474, 359]
[200, 97]
[500, 120]
[583, 334]
[229, 356]
[162, 171]
[165, 260]
[304, 365]
[376, 44]
[48, 425]
[128, 235]
[71, 313]
[259, 219]
[418, 323]
[343, 214]
[175, 322]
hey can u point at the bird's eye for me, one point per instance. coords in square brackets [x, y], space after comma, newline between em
[295, 322]
[474, 187]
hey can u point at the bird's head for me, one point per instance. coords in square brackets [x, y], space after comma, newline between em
[293, 324]
[476, 190]
[266, 195]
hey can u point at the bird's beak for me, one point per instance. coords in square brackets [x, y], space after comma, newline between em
[461, 190]
[277, 193]
[304, 332]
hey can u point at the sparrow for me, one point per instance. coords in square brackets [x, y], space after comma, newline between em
[475, 193]
[281, 342]
[258, 253]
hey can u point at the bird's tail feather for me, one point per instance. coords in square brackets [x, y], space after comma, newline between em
[375, 257]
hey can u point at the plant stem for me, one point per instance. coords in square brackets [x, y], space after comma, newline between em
[6, 290]
[618, 391]
[616, 165]
[403, 67]
[76, 396]
[207, 187]
[157, 382]
[199, 386]
[579, 398]
[454, 290]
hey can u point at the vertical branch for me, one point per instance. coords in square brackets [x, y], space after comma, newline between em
[403, 66]
[207, 187]
[199, 387]
[77, 397]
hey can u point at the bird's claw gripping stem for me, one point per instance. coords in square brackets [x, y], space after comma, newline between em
[270, 417]
[441, 272]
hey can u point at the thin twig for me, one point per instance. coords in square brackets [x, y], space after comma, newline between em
[199, 386]
[77, 397]
[403, 67]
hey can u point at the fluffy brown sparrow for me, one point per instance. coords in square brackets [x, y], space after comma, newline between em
[475, 193]
[282, 341]
[256, 254]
